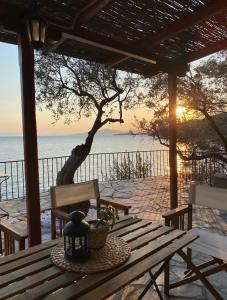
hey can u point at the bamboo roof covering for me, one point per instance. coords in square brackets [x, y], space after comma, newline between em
[141, 36]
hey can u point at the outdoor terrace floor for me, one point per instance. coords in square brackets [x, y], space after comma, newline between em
[149, 199]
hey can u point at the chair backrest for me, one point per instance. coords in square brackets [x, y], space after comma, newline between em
[209, 196]
[64, 195]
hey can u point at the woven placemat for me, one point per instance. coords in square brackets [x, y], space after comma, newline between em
[115, 252]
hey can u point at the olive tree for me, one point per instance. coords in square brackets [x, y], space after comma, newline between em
[201, 129]
[72, 88]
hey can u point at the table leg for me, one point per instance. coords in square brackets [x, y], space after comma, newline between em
[152, 281]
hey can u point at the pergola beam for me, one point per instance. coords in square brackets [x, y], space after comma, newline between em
[102, 43]
[211, 9]
[208, 50]
[83, 17]
[90, 10]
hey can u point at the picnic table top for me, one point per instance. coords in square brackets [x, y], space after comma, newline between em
[30, 274]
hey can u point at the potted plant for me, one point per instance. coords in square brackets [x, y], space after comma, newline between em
[99, 229]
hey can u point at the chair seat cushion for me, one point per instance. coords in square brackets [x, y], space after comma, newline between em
[210, 243]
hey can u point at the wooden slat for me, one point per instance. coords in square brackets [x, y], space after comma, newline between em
[123, 218]
[69, 194]
[180, 210]
[131, 228]
[25, 261]
[29, 282]
[143, 240]
[27, 252]
[26, 271]
[139, 232]
[91, 281]
[48, 287]
[16, 230]
[124, 278]
[124, 224]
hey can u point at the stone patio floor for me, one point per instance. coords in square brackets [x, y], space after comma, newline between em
[149, 199]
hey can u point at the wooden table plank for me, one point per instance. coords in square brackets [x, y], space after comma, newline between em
[144, 239]
[25, 261]
[29, 282]
[139, 232]
[91, 281]
[49, 286]
[24, 253]
[125, 223]
[26, 271]
[130, 228]
[124, 218]
[111, 286]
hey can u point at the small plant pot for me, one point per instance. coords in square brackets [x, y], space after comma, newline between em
[97, 235]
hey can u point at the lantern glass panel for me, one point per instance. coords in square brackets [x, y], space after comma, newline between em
[42, 32]
[35, 30]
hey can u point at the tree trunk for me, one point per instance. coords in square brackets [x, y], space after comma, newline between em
[66, 174]
[78, 155]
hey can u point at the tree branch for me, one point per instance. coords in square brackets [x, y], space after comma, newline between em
[82, 92]
[112, 120]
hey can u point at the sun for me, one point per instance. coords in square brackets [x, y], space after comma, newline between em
[180, 110]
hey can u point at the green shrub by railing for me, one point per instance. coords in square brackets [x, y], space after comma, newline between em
[128, 168]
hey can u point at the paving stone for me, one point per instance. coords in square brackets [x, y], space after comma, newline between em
[192, 290]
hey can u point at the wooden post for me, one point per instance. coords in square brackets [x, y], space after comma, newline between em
[26, 60]
[172, 87]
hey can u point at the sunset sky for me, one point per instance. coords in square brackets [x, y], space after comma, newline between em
[10, 104]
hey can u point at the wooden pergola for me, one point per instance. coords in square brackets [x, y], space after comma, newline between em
[140, 36]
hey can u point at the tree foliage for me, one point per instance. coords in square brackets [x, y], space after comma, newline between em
[203, 94]
[72, 88]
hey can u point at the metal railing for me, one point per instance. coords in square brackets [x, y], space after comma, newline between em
[106, 167]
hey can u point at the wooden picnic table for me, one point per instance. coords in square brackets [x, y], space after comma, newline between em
[30, 274]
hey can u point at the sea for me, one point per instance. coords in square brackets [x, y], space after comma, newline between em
[53, 151]
[11, 148]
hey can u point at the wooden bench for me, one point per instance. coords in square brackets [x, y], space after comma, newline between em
[13, 232]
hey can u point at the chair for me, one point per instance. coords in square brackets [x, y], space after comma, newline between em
[211, 243]
[12, 231]
[66, 196]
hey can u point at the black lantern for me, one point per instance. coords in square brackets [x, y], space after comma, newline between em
[36, 27]
[75, 237]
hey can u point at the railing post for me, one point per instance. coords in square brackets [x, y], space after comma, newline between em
[172, 88]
